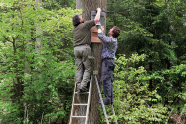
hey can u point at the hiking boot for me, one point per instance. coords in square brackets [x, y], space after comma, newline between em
[82, 89]
[106, 101]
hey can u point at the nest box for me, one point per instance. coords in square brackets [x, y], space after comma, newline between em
[94, 31]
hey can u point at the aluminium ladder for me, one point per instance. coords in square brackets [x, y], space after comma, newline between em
[103, 107]
[88, 104]
[81, 104]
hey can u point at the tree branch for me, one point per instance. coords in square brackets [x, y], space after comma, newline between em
[180, 3]
[7, 39]
[179, 118]
[42, 118]
[169, 115]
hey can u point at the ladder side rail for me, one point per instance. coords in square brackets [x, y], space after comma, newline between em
[114, 114]
[101, 100]
[89, 98]
[72, 108]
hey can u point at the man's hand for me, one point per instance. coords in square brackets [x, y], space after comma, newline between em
[98, 9]
[97, 17]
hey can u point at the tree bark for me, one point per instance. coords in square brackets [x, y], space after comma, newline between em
[78, 4]
[38, 30]
[94, 117]
[88, 6]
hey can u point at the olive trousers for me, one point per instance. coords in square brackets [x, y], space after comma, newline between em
[83, 58]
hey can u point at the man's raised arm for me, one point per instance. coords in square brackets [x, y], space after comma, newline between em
[97, 17]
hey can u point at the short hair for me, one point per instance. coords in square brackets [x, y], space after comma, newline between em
[76, 20]
[116, 32]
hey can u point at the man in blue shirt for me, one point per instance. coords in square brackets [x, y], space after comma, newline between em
[107, 56]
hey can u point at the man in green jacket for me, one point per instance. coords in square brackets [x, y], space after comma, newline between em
[82, 50]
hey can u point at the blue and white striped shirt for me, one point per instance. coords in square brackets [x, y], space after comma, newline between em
[109, 46]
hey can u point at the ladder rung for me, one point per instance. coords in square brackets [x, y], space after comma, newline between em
[80, 104]
[109, 116]
[81, 92]
[79, 116]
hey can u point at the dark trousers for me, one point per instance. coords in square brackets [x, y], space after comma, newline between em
[107, 79]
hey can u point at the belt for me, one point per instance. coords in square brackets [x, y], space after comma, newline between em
[107, 59]
[83, 45]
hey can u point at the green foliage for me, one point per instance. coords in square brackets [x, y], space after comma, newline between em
[37, 72]
[173, 81]
[133, 102]
[155, 28]
[150, 28]
[37, 62]
[58, 4]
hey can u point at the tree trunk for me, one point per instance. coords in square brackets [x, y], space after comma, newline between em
[78, 4]
[94, 117]
[18, 82]
[88, 6]
[38, 30]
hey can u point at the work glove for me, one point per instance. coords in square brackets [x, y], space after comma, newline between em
[98, 25]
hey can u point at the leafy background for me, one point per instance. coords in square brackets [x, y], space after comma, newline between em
[37, 62]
